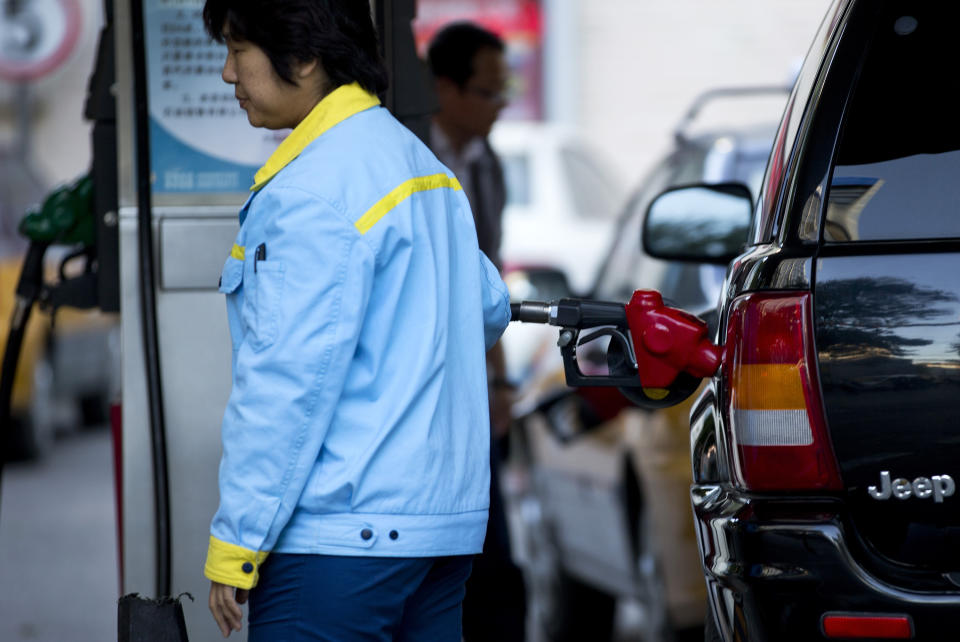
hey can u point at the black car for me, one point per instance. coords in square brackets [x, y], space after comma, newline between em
[826, 449]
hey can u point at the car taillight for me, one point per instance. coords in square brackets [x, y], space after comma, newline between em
[774, 411]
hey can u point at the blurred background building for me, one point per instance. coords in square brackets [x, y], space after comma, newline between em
[620, 71]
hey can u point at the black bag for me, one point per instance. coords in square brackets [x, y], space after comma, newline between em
[143, 620]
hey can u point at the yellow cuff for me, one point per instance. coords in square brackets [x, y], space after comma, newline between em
[233, 565]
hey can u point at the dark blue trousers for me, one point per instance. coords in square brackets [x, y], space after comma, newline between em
[342, 599]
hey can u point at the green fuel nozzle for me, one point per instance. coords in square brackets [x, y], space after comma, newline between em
[65, 216]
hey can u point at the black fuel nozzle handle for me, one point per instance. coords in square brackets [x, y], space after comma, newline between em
[574, 316]
[571, 313]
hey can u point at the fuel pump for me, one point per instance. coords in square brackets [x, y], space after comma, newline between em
[66, 217]
[656, 357]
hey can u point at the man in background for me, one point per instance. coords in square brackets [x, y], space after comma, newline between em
[470, 79]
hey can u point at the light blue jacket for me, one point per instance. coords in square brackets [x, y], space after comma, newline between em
[358, 419]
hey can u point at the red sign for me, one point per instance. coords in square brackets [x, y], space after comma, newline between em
[36, 37]
[517, 22]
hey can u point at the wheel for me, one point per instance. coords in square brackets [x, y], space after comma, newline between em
[562, 608]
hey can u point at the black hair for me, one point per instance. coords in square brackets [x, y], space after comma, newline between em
[337, 33]
[452, 50]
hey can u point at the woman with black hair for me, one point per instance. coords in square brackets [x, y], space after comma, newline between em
[354, 479]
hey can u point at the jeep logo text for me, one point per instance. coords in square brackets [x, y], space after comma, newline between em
[938, 486]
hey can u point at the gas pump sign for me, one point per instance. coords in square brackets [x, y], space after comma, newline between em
[200, 139]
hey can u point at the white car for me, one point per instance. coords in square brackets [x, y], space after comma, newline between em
[562, 199]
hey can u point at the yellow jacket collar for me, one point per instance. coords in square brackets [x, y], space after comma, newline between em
[340, 104]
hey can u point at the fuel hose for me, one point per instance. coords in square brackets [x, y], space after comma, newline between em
[28, 291]
[148, 305]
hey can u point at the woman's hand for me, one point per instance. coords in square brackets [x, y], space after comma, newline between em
[225, 604]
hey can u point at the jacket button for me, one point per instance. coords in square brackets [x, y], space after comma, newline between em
[247, 567]
[394, 534]
[366, 533]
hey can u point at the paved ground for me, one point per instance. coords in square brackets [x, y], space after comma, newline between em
[58, 572]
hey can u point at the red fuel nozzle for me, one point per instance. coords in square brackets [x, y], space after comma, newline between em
[668, 341]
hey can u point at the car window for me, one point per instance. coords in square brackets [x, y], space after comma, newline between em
[516, 175]
[896, 168]
[748, 169]
[685, 284]
[694, 286]
[627, 267]
[783, 143]
[593, 194]
[736, 162]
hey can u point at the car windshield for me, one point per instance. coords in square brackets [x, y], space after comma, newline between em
[516, 175]
[593, 194]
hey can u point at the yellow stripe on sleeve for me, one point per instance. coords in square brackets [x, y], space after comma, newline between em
[401, 193]
[238, 252]
[232, 565]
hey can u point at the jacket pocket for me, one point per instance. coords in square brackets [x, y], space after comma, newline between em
[232, 275]
[231, 282]
[267, 292]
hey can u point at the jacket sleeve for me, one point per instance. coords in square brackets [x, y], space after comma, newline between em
[496, 302]
[303, 310]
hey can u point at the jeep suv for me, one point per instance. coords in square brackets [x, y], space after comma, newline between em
[826, 449]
